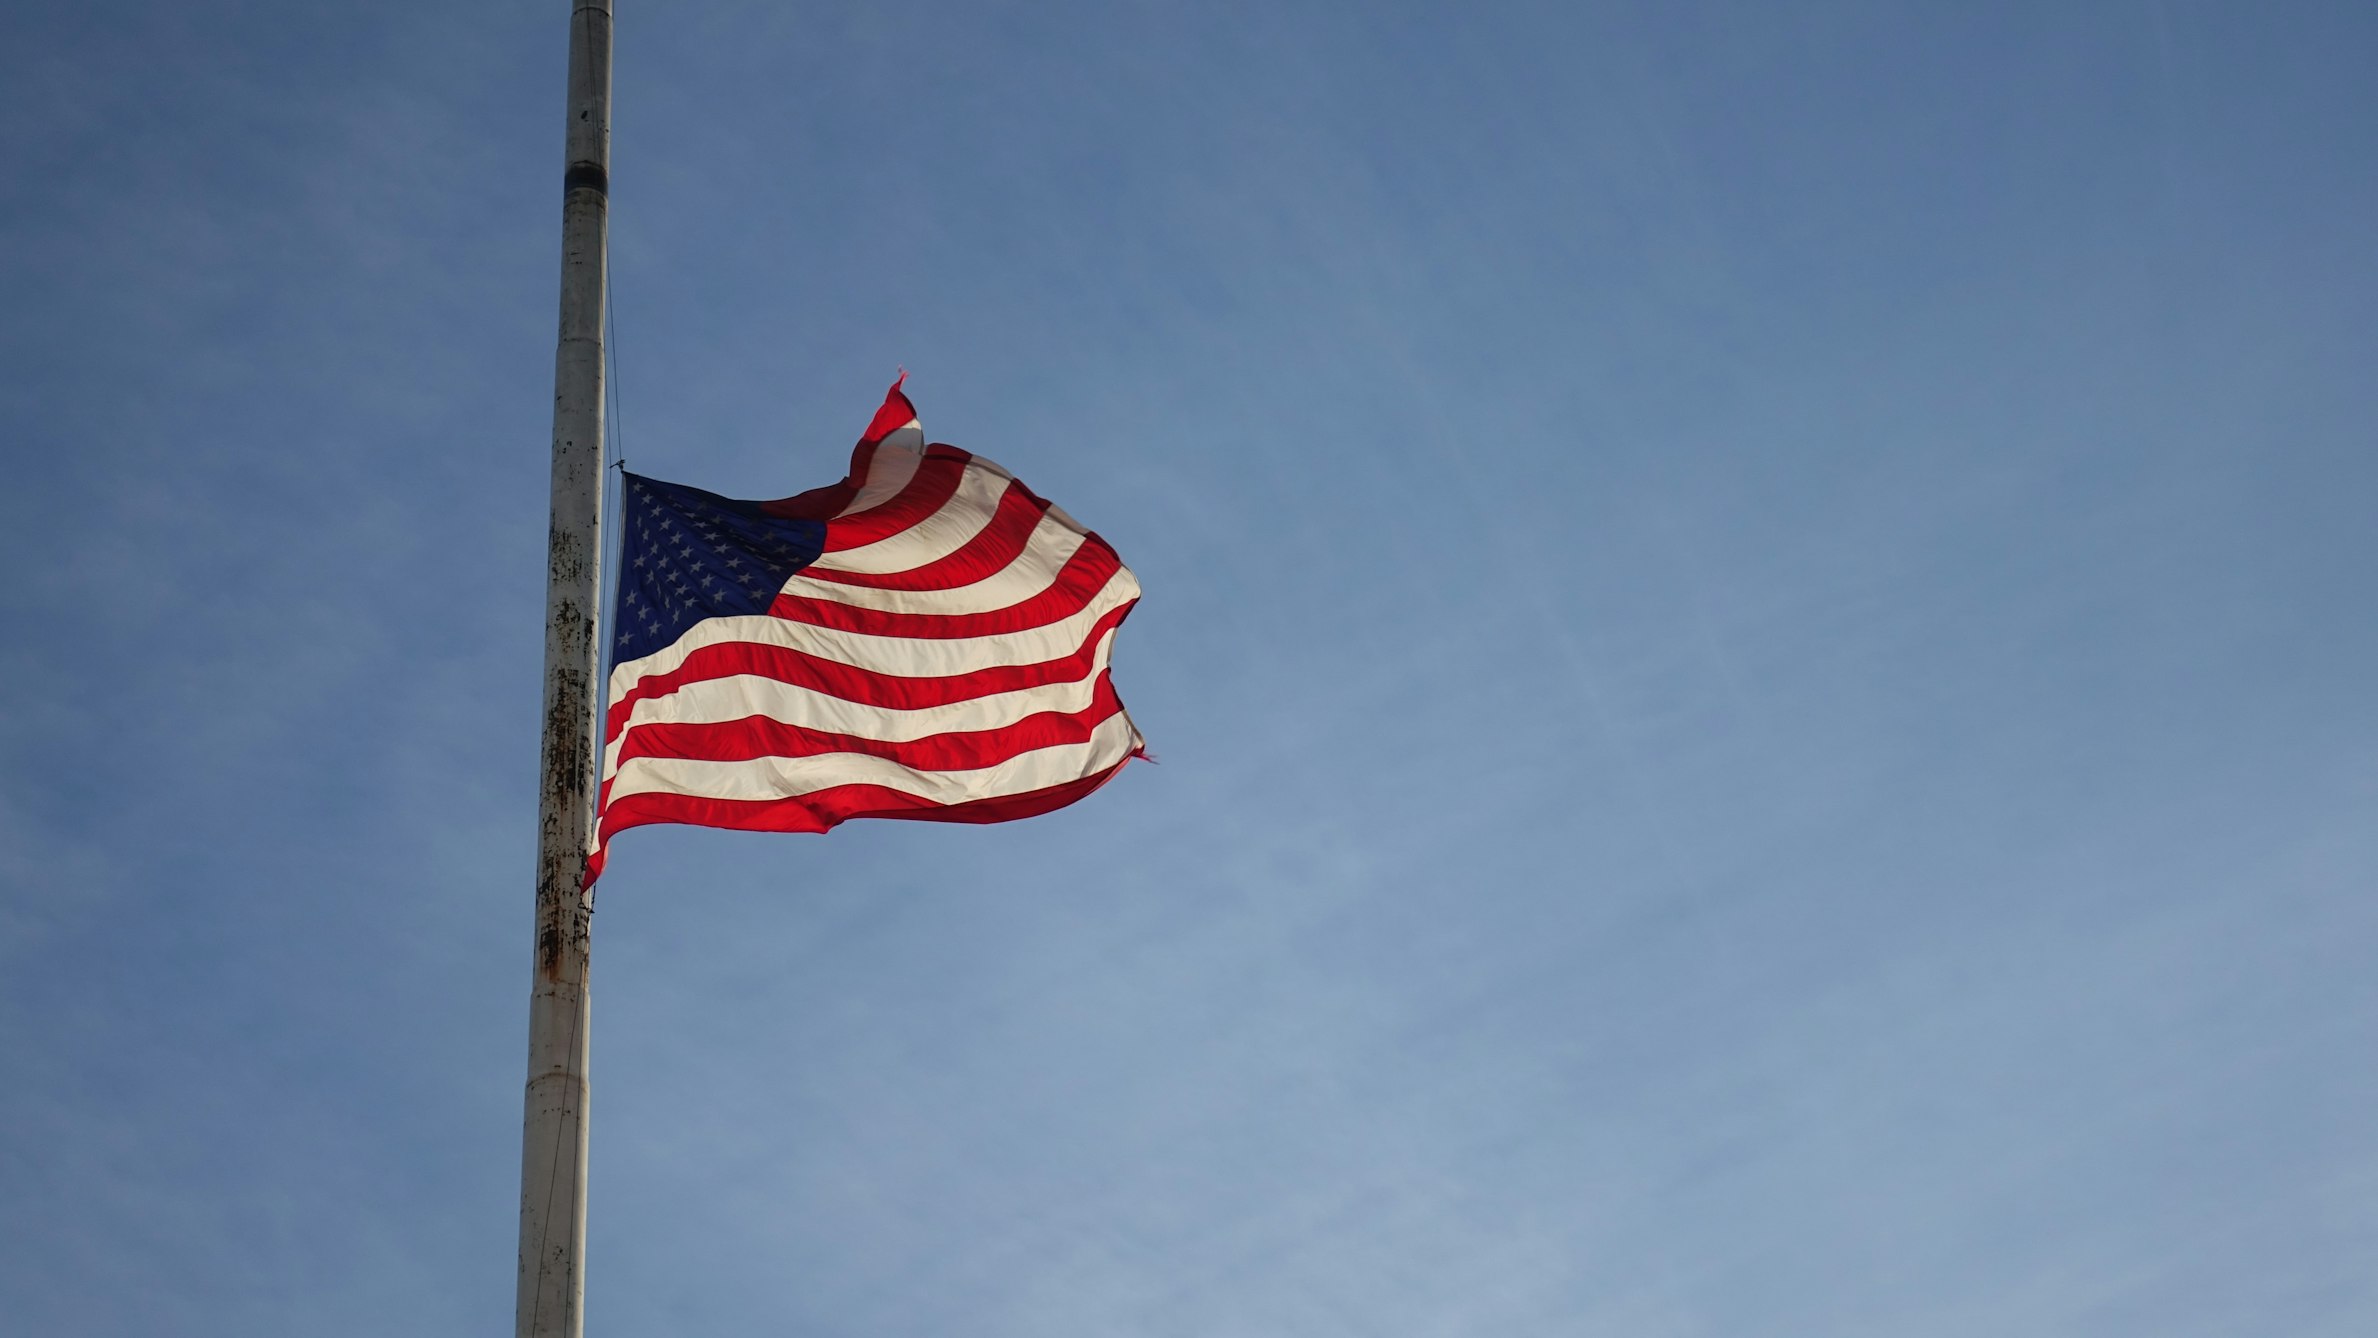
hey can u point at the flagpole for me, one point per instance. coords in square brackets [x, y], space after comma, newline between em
[552, 1282]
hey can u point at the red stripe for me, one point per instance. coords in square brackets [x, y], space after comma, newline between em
[935, 483]
[850, 683]
[993, 547]
[821, 809]
[1077, 583]
[962, 750]
[827, 502]
[895, 414]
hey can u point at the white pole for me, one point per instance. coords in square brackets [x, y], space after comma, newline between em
[552, 1289]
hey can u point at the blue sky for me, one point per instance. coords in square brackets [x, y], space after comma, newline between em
[1758, 630]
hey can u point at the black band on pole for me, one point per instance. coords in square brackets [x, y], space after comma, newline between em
[589, 175]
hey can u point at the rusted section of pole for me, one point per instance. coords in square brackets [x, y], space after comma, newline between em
[552, 1287]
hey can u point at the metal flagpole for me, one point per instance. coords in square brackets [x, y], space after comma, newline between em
[552, 1289]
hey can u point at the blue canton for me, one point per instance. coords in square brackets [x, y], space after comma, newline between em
[686, 555]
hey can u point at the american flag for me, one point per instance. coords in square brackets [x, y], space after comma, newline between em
[926, 639]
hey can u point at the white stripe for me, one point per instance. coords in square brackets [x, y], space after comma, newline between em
[786, 777]
[1046, 551]
[936, 536]
[714, 701]
[905, 657]
[890, 466]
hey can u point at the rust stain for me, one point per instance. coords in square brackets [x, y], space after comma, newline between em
[566, 755]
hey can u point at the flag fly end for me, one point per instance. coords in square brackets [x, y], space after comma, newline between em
[895, 414]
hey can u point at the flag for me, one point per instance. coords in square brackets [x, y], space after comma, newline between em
[927, 639]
